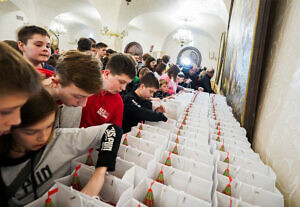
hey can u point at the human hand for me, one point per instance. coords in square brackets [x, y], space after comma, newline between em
[160, 109]
[200, 89]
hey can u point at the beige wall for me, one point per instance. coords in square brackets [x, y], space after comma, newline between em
[277, 130]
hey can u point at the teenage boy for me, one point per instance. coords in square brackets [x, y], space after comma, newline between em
[107, 106]
[18, 81]
[84, 44]
[34, 42]
[137, 106]
[77, 77]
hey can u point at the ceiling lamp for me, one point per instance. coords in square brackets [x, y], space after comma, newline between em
[58, 28]
[128, 1]
[105, 31]
[183, 37]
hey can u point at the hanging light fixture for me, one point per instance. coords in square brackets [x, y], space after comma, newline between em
[58, 28]
[128, 1]
[183, 37]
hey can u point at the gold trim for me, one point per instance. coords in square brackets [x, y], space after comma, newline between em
[250, 66]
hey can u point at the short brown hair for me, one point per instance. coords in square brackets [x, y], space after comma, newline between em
[26, 32]
[81, 69]
[144, 70]
[119, 64]
[16, 73]
[149, 80]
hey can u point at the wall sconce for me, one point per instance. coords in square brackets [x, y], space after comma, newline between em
[105, 31]
[212, 56]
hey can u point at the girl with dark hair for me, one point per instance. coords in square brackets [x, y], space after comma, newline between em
[171, 78]
[150, 63]
[160, 70]
[35, 154]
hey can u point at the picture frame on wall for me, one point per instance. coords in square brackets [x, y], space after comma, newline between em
[239, 80]
[221, 59]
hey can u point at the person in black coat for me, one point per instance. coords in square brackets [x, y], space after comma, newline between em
[204, 82]
[137, 106]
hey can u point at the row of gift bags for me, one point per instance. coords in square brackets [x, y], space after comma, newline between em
[241, 175]
[196, 175]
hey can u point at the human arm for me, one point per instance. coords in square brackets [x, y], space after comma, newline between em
[94, 186]
[107, 155]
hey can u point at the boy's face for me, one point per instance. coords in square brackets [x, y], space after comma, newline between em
[37, 49]
[10, 106]
[115, 83]
[70, 95]
[34, 137]
[146, 92]
[101, 52]
[164, 88]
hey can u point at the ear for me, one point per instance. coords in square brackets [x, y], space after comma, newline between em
[55, 81]
[21, 46]
[142, 86]
[105, 73]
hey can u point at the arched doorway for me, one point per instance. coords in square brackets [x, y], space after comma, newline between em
[189, 56]
[134, 48]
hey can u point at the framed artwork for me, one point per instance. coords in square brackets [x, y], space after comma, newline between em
[243, 58]
[221, 58]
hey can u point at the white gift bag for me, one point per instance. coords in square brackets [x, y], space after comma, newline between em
[152, 129]
[144, 145]
[197, 155]
[248, 164]
[197, 147]
[167, 196]
[168, 125]
[247, 176]
[242, 152]
[224, 201]
[82, 159]
[234, 142]
[199, 169]
[113, 190]
[150, 136]
[251, 194]
[134, 203]
[136, 156]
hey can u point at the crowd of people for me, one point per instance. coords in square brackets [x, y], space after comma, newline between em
[55, 106]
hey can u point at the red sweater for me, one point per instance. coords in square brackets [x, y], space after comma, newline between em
[103, 107]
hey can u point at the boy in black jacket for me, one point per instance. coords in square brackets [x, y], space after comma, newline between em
[137, 106]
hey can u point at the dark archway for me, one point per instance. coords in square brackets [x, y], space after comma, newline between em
[191, 54]
[134, 48]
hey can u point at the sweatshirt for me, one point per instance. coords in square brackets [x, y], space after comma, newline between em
[55, 161]
[136, 110]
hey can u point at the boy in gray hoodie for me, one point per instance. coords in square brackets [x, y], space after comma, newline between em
[35, 154]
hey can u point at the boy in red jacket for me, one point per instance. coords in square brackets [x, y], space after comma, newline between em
[107, 106]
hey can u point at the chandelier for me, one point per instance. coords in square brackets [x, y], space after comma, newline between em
[183, 37]
[128, 1]
[105, 31]
[58, 28]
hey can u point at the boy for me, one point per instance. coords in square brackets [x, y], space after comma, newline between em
[84, 44]
[77, 77]
[18, 81]
[137, 106]
[107, 106]
[34, 42]
[162, 92]
[101, 52]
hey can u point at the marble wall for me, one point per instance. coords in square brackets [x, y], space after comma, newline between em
[277, 130]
